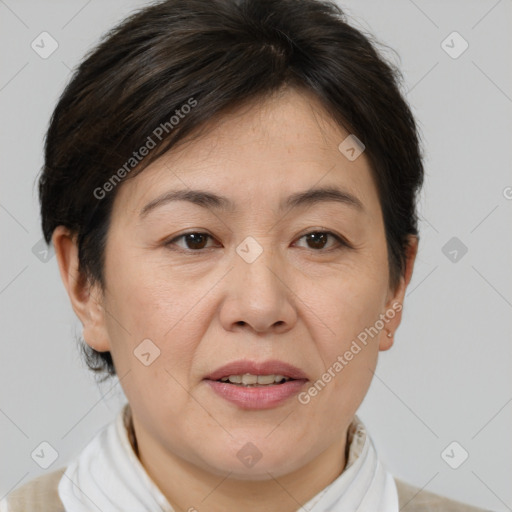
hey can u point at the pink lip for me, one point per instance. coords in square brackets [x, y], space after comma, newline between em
[263, 397]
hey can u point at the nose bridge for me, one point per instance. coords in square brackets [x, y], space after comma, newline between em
[259, 296]
[257, 267]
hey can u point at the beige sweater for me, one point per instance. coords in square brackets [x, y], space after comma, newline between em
[41, 495]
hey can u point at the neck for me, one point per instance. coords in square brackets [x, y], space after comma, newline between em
[191, 488]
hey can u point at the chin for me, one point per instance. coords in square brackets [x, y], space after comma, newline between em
[251, 463]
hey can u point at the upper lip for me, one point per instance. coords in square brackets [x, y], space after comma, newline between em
[272, 367]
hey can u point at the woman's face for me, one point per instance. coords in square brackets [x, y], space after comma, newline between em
[258, 280]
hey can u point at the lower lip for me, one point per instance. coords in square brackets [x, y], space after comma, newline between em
[258, 397]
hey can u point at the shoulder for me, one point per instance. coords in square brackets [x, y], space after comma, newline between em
[39, 494]
[414, 499]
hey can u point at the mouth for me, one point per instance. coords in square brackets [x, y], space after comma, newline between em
[252, 385]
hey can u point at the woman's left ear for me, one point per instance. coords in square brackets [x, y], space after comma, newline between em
[394, 304]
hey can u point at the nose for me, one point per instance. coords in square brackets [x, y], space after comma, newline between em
[259, 295]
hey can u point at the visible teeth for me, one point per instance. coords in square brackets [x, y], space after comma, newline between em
[265, 379]
[248, 379]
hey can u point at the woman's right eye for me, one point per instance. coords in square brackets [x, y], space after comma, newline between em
[193, 241]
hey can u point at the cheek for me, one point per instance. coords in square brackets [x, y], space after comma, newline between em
[349, 305]
[144, 304]
[155, 317]
[348, 354]
[350, 310]
[150, 297]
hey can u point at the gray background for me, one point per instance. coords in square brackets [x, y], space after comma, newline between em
[448, 376]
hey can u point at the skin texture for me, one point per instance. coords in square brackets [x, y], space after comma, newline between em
[300, 301]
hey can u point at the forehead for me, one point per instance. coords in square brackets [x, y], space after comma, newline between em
[256, 155]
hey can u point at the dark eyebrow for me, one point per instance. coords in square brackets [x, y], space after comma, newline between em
[323, 194]
[199, 197]
[214, 201]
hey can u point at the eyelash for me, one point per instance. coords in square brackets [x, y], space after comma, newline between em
[341, 241]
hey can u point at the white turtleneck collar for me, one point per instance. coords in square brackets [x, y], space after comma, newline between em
[108, 476]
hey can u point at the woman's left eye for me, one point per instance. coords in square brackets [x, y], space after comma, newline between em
[316, 240]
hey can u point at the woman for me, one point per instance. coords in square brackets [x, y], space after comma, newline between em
[230, 188]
